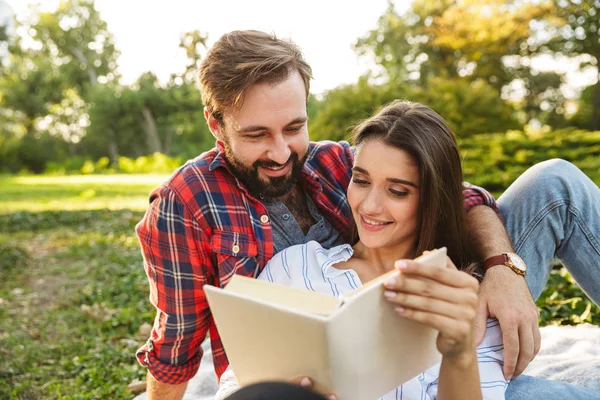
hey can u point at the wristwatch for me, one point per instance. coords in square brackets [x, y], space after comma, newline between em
[511, 260]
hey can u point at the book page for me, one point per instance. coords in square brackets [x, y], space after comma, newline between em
[436, 257]
[267, 342]
[373, 350]
[284, 296]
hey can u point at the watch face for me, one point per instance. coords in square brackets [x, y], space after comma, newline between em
[517, 262]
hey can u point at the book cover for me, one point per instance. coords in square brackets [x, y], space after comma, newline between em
[355, 346]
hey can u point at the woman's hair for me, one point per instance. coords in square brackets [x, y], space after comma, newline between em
[424, 135]
[240, 59]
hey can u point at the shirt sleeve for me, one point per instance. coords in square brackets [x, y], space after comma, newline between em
[490, 357]
[177, 269]
[477, 196]
[490, 360]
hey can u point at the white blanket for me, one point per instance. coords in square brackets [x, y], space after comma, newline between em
[568, 353]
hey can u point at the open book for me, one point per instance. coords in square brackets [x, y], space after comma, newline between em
[354, 346]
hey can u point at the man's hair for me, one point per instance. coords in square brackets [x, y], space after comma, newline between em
[240, 59]
[427, 138]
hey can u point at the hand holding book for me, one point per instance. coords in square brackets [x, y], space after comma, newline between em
[441, 297]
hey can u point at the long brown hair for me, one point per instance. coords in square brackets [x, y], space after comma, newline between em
[427, 138]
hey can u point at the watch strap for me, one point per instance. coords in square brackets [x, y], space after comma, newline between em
[500, 259]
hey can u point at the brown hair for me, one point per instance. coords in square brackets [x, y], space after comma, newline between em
[425, 136]
[240, 59]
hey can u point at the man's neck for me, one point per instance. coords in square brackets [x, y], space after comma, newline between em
[296, 203]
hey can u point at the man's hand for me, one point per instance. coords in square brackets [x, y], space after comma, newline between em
[504, 295]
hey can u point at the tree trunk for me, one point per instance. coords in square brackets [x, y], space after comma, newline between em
[151, 132]
[596, 105]
[90, 68]
[168, 141]
[113, 149]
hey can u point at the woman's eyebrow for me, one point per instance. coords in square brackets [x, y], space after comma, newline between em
[402, 182]
[361, 170]
[393, 180]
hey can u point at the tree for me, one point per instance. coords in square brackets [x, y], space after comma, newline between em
[78, 40]
[468, 107]
[584, 115]
[193, 43]
[578, 35]
[490, 40]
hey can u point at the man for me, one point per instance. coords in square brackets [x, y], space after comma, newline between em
[266, 187]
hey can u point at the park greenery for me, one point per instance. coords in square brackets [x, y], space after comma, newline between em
[80, 151]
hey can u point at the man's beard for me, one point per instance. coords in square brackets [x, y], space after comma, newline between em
[274, 186]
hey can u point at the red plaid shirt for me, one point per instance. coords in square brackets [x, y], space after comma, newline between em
[202, 226]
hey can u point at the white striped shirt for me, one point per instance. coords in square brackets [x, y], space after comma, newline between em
[310, 266]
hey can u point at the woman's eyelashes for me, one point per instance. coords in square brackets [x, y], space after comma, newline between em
[398, 193]
[393, 192]
[360, 181]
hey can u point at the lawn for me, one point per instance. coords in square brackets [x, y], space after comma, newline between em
[73, 292]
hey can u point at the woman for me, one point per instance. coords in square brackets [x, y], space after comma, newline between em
[406, 198]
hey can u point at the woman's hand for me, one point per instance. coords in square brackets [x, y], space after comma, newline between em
[308, 383]
[443, 298]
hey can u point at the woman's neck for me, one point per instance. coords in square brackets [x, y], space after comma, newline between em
[382, 259]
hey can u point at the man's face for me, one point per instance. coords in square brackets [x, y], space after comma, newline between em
[266, 140]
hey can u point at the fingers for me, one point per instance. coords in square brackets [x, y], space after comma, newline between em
[448, 276]
[308, 383]
[452, 307]
[303, 381]
[510, 338]
[446, 325]
[411, 284]
[537, 339]
[526, 349]
[481, 315]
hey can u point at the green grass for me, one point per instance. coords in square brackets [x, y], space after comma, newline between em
[73, 292]
[76, 192]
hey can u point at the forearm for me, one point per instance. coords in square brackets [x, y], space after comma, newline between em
[487, 232]
[163, 391]
[459, 378]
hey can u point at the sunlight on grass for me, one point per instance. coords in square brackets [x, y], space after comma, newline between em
[78, 192]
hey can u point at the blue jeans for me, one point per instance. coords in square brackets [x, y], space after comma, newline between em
[553, 210]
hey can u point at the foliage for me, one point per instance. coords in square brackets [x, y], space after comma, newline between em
[563, 302]
[583, 118]
[490, 40]
[469, 107]
[495, 160]
[61, 82]
[579, 35]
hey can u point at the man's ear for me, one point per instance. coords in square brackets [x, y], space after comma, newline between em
[213, 124]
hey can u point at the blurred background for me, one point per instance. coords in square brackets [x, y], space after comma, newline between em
[99, 104]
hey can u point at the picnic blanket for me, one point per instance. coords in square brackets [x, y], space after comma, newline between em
[568, 353]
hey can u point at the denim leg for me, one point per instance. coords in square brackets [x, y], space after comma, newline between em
[530, 388]
[553, 209]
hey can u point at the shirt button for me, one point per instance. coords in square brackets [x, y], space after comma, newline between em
[235, 249]
[264, 219]
[286, 216]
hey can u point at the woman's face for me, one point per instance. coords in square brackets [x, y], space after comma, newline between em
[384, 195]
